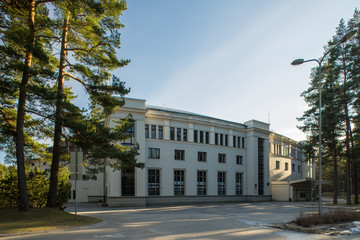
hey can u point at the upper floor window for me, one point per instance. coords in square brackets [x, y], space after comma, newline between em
[222, 158]
[153, 131]
[201, 136]
[178, 134]
[207, 137]
[160, 132]
[196, 136]
[154, 153]
[277, 165]
[216, 139]
[179, 155]
[226, 140]
[172, 133]
[184, 134]
[239, 160]
[286, 166]
[202, 157]
[146, 131]
[130, 141]
[221, 139]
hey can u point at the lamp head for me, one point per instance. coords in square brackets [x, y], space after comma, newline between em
[349, 35]
[297, 61]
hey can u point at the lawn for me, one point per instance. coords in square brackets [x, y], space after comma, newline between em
[41, 219]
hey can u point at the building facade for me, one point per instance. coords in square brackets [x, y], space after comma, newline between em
[189, 158]
[291, 174]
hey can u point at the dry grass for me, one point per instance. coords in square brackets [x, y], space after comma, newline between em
[42, 219]
[340, 215]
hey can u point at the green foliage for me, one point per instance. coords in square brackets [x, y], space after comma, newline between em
[340, 86]
[37, 182]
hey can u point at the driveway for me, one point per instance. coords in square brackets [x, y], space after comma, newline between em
[203, 221]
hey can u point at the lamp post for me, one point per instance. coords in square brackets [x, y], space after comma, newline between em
[345, 38]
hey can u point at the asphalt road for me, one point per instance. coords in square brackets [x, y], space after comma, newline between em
[204, 221]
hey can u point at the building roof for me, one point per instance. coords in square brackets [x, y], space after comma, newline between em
[177, 111]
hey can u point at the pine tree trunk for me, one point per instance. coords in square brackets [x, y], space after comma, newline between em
[23, 196]
[336, 178]
[52, 195]
[355, 183]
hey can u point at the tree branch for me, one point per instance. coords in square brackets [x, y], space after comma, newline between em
[81, 49]
[5, 116]
[46, 1]
[77, 79]
[41, 115]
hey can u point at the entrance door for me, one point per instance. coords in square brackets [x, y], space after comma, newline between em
[128, 182]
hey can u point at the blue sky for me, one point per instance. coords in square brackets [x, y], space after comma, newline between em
[228, 59]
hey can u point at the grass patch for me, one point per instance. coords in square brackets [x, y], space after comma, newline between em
[339, 215]
[39, 219]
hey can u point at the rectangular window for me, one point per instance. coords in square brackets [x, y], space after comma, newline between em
[221, 158]
[221, 139]
[179, 182]
[277, 165]
[239, 160]
[216, 139]
[261, 166]
[185, 135]
[299, 169]
[154, 153]
[172, 133]
[179, 155]
[239, 183]
[153, 131]
[234, 141]
[238, 142]
[202, 157]
[243, 142]
[207, 137]
[130, 141]
[201, 136]
[286, 166]
[160, 132]
[146, 131]
[293, 167]
[221, 183]
[201, 183]
[153, 182]
[226, 140]
[178, 134]
[196, 136]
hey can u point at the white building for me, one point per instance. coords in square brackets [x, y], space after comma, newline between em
[188, 158]
[291, 174]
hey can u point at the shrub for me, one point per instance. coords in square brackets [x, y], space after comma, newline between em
[339, 215]
[37, 183]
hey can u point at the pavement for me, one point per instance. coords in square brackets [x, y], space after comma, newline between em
[201, 221]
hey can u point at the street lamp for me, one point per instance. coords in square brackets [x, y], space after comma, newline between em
[299, 61]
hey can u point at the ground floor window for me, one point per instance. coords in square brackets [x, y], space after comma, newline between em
[221, 183]
[179, 182]
[154, 182]
[201, 183]
[239, 183]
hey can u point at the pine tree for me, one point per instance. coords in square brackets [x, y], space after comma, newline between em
[89, 40]
[24, 64]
